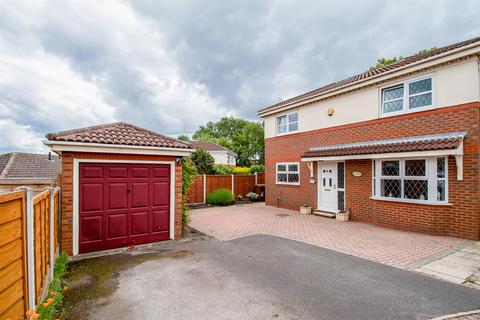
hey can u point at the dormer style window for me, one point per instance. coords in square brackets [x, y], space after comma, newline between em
[410, 96]
[287, 123]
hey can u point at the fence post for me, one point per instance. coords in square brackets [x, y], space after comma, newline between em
[256, 178]
[52, 230]
[233, 185]
[30, 221]
[204, 188]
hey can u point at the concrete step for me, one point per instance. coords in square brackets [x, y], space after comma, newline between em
[324, 214]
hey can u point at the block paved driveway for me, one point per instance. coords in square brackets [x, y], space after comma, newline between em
[391, 247]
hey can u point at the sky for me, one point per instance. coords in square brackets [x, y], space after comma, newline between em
[171, 66]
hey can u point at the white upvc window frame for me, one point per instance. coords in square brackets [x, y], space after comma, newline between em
[287, 123]
[406, 96]
[430, 176]
[287, 172]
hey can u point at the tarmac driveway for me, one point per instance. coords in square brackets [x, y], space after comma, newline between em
[254, 277]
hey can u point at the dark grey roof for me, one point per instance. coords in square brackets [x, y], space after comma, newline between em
[19, 165]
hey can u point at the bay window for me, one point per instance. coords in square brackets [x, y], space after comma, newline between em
[288, 173]
[415, 180]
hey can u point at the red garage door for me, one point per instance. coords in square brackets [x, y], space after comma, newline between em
[123, 205]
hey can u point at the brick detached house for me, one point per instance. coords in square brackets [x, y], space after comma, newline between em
[397, 146]
[121, 185]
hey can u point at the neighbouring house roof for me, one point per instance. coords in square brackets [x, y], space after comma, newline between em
[19, 165]
[118, 133]
[370, 73]
[208, 146]
[445, 141]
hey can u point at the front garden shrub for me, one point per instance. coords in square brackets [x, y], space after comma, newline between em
[222, 197]
[256, 168]
[252, 196]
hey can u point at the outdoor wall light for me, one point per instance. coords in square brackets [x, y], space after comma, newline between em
[178, 160]
[330, 112]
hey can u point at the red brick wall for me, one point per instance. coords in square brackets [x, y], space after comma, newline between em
[67, 190]
[461, 219]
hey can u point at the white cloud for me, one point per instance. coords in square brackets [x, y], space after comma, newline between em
[19, 137]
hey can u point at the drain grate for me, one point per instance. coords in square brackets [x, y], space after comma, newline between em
[282, 215]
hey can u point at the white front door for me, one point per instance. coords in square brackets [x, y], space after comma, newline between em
[327, 186]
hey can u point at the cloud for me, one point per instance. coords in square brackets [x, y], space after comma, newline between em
[171, 66]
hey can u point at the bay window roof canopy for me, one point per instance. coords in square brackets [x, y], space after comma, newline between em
[417, 146]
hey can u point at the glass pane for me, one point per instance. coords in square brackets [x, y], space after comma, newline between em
[391, 168]
[420, 86]
[293, 126]
[293, 177]
[420, 101]
[415, 168]
[393, 106]
[293, 167]
[281, 177]
[416, 189]
[441, 190]
[293, 117]
[281, 121]
[390, 188]
[282, 129]
[393, 93]
[341, 175]
[341, 200]
[441, 167]
[282, 167]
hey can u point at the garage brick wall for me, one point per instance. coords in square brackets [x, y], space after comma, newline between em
[461, 219]
[67, 190]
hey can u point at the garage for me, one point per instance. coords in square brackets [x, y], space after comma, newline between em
[121, 186]
[123, 205]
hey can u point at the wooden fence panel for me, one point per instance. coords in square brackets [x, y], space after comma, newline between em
[260, 178]
[195, 194]
[215, 182]
[244, 184]
[41, 209]
[13, 268]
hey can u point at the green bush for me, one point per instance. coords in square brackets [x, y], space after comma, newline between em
[189, 174]
[256, 168]
[203, 161]
[55, 290]
[219, 169]
[221, 197]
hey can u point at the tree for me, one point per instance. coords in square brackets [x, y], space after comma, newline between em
[183, 137]
[203, 161]
[243, 137]
[382, 62]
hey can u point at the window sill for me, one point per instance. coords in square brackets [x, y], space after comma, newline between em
[287, 184]
[428, 203]
[286, 133]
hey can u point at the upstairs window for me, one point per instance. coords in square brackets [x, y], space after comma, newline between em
[410, 96]
[287, 123]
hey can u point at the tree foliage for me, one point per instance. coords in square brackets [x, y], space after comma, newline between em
[243, 137]
[183, 137]
[382, 62]
[203, 161]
